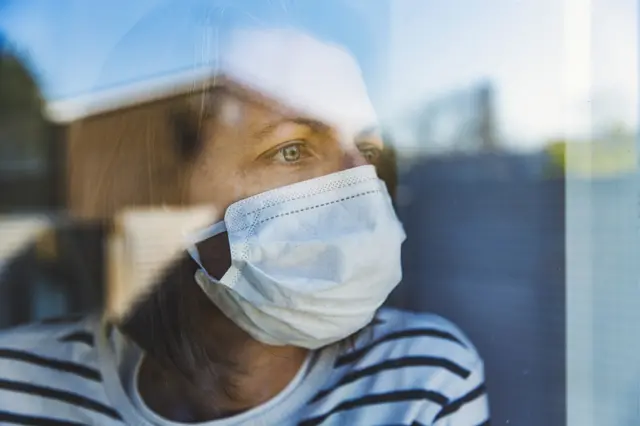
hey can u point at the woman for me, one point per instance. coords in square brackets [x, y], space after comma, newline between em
[272, 316]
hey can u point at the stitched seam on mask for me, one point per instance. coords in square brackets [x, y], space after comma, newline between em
[293, 198]
[245, 249]
[318, 206]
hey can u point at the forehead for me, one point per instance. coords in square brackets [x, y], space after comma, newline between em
[316, 79]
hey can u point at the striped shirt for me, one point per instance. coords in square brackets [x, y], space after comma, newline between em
[408, 369]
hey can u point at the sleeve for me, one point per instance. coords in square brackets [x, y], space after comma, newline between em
[470, 406]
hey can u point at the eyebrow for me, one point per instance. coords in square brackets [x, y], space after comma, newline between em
[315, 125]
[373, 130]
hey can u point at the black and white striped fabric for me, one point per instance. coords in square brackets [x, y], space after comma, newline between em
[408, 369]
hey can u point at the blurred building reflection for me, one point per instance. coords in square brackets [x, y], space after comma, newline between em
[459, 122]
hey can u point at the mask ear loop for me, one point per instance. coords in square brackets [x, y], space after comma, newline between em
[192, 240]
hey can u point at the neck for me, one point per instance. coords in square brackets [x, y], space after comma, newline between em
[200, 365]
[259, 374]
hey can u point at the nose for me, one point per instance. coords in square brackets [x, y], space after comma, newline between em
[353, 158]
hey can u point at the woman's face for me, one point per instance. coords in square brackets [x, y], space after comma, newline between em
[307, 117]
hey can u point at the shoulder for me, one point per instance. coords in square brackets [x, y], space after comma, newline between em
[51, 350]
[450, 368]
[416, 351]
[45, 335]
[400, 333]
[50, 374]
[394, 320]
[416, 368]
[422, 361]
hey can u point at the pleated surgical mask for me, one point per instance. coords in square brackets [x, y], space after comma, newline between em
[310, 262]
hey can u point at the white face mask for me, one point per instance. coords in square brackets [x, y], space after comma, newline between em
[310, 262]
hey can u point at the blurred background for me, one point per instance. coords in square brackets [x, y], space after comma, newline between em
[517, 158]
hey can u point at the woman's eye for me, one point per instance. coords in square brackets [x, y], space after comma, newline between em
[370, 153]
[292, 153]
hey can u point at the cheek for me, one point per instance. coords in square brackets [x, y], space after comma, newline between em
[262, 179]
[257, 179]
[223, 183]
[212, 184]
